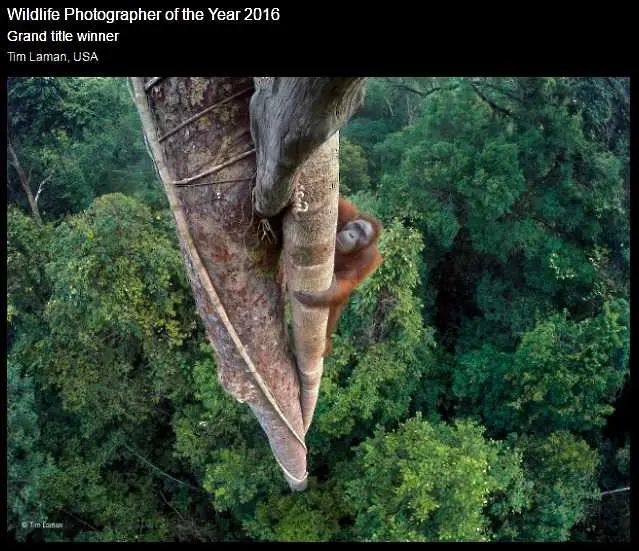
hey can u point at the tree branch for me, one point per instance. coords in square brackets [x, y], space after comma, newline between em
[491, 103]
[290, 118]
[24, 181]
[171, 506]
[41, 187]
[76, 517]
[390, 107]
[626, 489]
[155, 468]
[421, 93]
[500, 90]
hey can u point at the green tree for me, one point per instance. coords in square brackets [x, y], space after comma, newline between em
[80, 135]
[118, 295]
[564, 470]
[28, 289]
[427, 482]
[27, 463]
[353, 173]
[313, 515]
[509, 184]
[563, 375]
[383, 323]
[501, 311]
[109, 357]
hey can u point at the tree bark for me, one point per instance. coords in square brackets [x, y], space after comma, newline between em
[200, 136]
[290, 118]
[24, 181]
[309, 248]
[231, 271]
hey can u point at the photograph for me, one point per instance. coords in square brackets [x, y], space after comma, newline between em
[312, 309]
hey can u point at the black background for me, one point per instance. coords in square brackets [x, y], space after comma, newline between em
[375, 39]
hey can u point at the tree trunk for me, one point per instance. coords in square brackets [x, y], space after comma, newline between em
[198, 133]
[309, 249]
[24, 181]
[232, 272]
[290, 118]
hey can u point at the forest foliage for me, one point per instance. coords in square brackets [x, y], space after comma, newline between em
[480, 378]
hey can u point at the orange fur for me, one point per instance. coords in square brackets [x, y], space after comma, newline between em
[351, 268]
